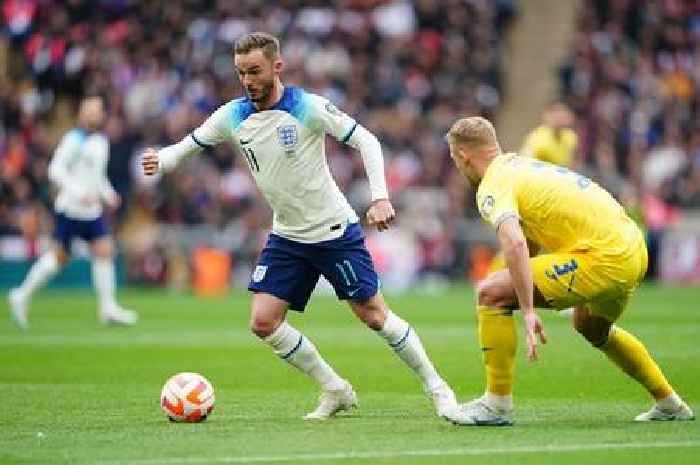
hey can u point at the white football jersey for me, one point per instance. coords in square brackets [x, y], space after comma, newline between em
[285, 151]
[79, 170]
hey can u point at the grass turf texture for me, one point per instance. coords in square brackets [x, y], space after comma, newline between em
[75, 392]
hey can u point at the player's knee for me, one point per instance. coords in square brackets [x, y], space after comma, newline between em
[371, 313]
[375, 320]
[61, 255]
[263, 327]
[103, 248]
[487, 295]
[594, 334]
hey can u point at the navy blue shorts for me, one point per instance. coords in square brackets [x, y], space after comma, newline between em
[66, 229]
[290, 270]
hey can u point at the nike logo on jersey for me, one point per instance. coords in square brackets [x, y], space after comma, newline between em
[353, 292]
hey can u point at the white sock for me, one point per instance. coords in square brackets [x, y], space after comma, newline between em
[292, 347]
[104, 282]
[39, 274]
[670, 403]
[406, 343]
[502, 403]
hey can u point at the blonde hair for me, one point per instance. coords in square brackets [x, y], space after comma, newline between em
[473, 131]
[268, 43]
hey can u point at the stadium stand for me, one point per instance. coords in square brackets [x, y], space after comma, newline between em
[633, 79]
[402, 68]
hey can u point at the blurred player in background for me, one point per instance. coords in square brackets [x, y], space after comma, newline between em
[280, 131]
[595, 257]
[78, 169]
[555, 140]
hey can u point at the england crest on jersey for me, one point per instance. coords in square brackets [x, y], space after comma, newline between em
[287, 136]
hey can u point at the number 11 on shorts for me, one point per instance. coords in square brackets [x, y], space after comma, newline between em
[345, 268]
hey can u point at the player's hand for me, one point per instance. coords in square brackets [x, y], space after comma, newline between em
[149, 161]
[381, 214]
[533, 330]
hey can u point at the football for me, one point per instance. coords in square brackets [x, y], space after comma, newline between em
[187, 397]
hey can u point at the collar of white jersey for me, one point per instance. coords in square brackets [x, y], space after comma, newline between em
[291, 102]
[291, 96]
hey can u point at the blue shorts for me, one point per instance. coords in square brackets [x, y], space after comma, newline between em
[88, 230]
[290, 270]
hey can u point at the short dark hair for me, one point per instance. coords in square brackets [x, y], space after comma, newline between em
[268, 43]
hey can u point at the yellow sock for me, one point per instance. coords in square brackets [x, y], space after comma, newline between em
[632, 357]
[497, 340]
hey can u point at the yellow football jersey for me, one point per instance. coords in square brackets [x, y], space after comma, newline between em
[559, 210]
[545, 144]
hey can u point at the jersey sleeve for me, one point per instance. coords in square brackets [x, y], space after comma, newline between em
[59, 167]
[215, 129]
[107, 192]
[329, 119]
[496, 202]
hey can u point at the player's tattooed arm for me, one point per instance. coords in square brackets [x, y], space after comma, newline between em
[517, 256]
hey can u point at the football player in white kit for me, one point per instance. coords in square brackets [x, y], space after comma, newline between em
[79, 171]
[280, 130]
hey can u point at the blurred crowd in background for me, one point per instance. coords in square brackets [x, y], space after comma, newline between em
[403, 69]
[633, 79]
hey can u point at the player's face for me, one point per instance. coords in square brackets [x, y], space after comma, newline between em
[92, 113]
[257, 74]
[456, 157]
[461, 157]
[559, 117]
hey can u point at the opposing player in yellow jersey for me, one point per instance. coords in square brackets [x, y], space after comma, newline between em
[554, 141]
[594, 258]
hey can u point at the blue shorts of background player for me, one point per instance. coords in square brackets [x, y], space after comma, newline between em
[289, 270]
[89, 230]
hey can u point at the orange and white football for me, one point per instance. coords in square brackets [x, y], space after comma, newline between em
[187, 397]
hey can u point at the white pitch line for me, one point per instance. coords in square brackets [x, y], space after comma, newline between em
[402, 453]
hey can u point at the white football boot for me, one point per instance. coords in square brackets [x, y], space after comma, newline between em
[115, 315]
[479, 413]
[18, 308]
[332, 402]
[444, 401]
[656, 413]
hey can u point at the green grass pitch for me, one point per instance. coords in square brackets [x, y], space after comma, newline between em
[75, 392]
